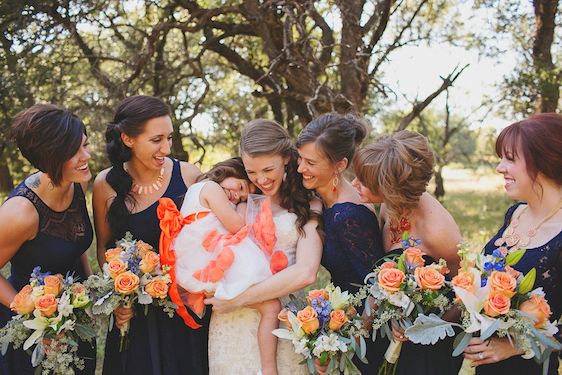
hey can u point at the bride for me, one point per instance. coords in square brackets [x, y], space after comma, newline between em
[271, 163]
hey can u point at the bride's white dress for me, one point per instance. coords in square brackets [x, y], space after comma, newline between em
[233, 340]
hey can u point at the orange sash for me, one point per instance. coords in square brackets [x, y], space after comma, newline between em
[171, 224]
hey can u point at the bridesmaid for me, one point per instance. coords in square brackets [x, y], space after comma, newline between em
[49, 223]
[530, 152]
[395, 170]
[353, 241]
[125, 200]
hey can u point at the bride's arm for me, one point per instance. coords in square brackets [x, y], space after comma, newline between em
[291, 279]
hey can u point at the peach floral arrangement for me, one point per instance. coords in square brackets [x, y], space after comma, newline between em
[496, 299]
[131, 275]
[325, 327]
[53, 315]
[402, 288]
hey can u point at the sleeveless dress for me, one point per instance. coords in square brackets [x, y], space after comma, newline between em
[60, 241]
[547, 259]
[194, 255]
[158, 345]
[352, 246]
[233, 341]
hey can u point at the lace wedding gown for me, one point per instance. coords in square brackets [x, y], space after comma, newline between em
[233, 340]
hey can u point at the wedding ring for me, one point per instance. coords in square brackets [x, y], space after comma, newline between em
[402, 336]
[480, 356]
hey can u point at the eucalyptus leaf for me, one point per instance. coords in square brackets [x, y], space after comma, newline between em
[84, 331]
[427, 330]
[4, 347]
[462, 344]
[310, 365]
[490, 330]
[363, 347]
[38, 354]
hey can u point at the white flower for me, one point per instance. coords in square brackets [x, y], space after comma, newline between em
[37, 292]
[330, 343]
[65, 307]
[399, 299]
[338, 299]
[67, 325]
[301, 347]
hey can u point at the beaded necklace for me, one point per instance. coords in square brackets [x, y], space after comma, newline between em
[150, 188]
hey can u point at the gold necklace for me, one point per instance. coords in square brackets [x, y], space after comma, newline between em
[150, 188]
[509, 239]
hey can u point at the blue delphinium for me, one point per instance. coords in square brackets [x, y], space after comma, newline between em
[322, 308]
[497, 253]
[36, 274]
[499, 266]
[488, 266]
[483, 282]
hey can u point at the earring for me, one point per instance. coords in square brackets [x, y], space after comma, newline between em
[285, 174]
[50, 185]
[335, 183]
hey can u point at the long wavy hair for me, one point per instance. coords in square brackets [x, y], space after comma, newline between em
[266, 137]
[130, 119]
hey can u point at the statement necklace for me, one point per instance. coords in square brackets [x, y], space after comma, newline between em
[509, 239]
[150, 188]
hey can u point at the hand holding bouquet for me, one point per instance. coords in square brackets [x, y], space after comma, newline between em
[131, 274]
[325, 326]
[53, 315]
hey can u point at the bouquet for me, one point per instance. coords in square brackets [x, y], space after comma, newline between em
[403, 288]
[131, 274]
[325, 326]
[52, 316]
[496, 299]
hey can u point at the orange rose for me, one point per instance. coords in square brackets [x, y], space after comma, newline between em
[115, 267]
[390, 279]
[502, 282]
[317, 294]
[23, 302]
[337, 319]
[464, 280]
[429, 278]
[351, 311]
[144, 248]
[126, 282]
[157, 288]
[149, 262]
[512, 271]
[414, 257]
[309, 319]
[46, 304]
[113, 253]
[538, 308]
[388, 265]
[497, 304]
[52, 285]
[284, 317]
[78, 288]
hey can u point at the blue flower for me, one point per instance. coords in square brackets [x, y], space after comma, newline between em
[488, 266]
[483, 282]
[497, 253]
[418, 242]
[36, 274]
[499, 266]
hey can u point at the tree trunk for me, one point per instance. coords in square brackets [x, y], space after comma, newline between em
[6, 181]
[549, 78]
[439, 186]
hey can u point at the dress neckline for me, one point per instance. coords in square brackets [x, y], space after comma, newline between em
[347, 203]
[506, 224]
[42, 202]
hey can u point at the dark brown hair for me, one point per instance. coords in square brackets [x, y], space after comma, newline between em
[232, 167]
[47, 136]
[337, 135]
[539, 138]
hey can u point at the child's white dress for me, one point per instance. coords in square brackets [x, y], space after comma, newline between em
[209, 258]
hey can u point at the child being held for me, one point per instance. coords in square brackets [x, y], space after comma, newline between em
[215, 254]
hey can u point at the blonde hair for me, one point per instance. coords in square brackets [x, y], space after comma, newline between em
[397, 166]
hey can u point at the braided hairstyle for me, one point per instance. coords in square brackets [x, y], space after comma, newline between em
[130, 119]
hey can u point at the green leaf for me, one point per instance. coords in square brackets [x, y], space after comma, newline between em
[462, 343]
[405, 235]
[528, 282]
[84, 331]
[401, 264]
[514, 257]
[323, 358]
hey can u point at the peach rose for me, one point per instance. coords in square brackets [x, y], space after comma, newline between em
[46, 304]
[538, 308]
[143, 248]
[351, 311]
[157, 288]
[388, 265]
[317, 294]
[512, 271]
[497, 304]
[78, 288]
[429, 278]
[502, 282]
[464, 280]
[149, 262]
[309, 319]
[390, 279]
[113, 253]
[126, 282]
[414, 257]
[52, 285]
[283, 316]
[115, 267]
[337, 319]
[23, 302]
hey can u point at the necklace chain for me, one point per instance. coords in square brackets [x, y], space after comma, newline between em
[150, 188]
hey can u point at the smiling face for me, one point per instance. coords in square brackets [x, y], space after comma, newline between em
[237, 189]
[266, 172]
[315, 167]
[76, 168]
[151, 147]
[365, 194]
[517, 182]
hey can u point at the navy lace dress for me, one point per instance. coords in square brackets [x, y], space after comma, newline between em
[62, 238]
[353, 244]
[547, 259]
[158, 344]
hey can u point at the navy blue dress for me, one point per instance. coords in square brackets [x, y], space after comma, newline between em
[547, 259]
[158, 344]
[352, 246]
[60, 241]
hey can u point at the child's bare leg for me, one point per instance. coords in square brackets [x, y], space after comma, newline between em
[266, 340]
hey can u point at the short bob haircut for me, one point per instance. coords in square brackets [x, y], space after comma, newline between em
[48, 136]
[398, 167]
[539, 140]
